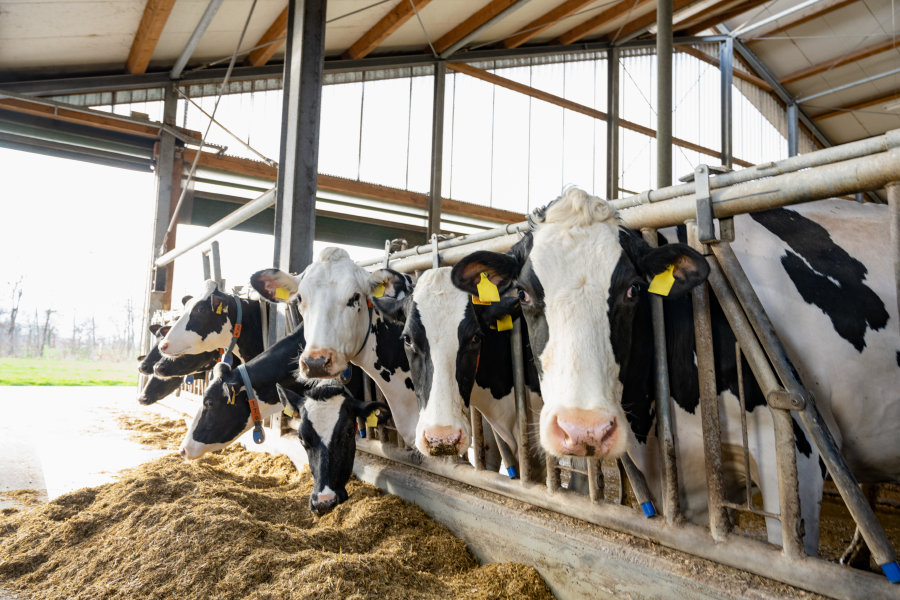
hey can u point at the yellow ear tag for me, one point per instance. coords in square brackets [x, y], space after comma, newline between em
[476, 300]
[487, 291]
[232, 396]
[662, 283]
[282, 293]
[219, 309]
[372, 419]
[289, 411]
[504, 324]
[379, 291]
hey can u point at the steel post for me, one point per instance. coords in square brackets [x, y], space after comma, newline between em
[893, 194]
[719, 524]
[207, 18]
[207, 272]
[216, 263]
[671, 504]
[518, 369]
[299, 159]
[726, 71]
[612, 123]
[437, 150]
[477, 438]
[554, 481]
[367, 396]
[793, 137]
[595, 479]
[664, 51]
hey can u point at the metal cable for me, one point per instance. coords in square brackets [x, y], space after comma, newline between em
[622, 26]
[193, 170]
[422, 25]
[359, 10]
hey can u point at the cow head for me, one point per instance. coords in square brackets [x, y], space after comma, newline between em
[580, 279]
[145, 363]
[328, 424]
[158, 388]
[187, 364]
[205, 325]
[333, 295]
[442, 336]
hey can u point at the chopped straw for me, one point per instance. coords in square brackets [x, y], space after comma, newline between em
[236, 524]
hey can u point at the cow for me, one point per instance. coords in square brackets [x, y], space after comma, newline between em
[158, 388]
[581, 279]
[146, 362]
[225, 413]
[334, 295]
[328, 424]
[209, 323]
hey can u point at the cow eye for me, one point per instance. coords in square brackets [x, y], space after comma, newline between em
[523, 295]
[476, 338]
[355, 298]
[633, 291]
[407, 341]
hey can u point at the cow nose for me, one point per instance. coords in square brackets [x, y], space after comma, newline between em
[323, 504]
[444, 440]
[183, 453]
[317, 365]
[163, 347]
[142, 399]
[578, 432]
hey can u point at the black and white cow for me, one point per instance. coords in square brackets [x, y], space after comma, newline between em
[158, 388]
[328, 424]
[208, 323]
[820, 274]
[334, 293]
[146, 362]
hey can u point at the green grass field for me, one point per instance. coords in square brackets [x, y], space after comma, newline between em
[29, 371]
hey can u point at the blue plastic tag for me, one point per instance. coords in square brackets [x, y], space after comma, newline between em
[227, 360]
[649, 510]
[259, 436]
[189, 380]
[511, 471]
[892, 570]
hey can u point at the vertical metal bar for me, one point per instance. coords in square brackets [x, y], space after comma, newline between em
[437, 149]
[595, 479]
[893, 196]
[664, 51]
[709, 405]
[726, 70]
[554, 482]
[793, 130]
[477, 438]
[745, 446]
[664, 431]
[216, 263]
[612, 123]
[207, 18]
[367, 396]
[518, 368]
[298, 165]
[207, 272]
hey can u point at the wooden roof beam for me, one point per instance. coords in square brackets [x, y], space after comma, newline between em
[714, 20]
[491, 10]
[546, 21]
[156, 13]
[277, 30]
[806, 16]
[706, 12]
[833, 63]
[872, 101]
[601, 20]
[390, 23]
[738, 73]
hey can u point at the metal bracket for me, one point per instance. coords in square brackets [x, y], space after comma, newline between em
[785, 400]
[706, 230]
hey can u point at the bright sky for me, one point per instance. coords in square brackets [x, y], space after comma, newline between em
[80, 234]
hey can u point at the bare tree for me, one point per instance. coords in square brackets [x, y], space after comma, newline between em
[17, 290]
[44, 336]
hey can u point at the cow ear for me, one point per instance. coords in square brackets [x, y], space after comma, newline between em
[185, 300]
[396, 285]
[690, 269]
[165, 330]
[221, 370]
[155, 328]
[498, 311]
[275, 285]
[393, 309]
[381, 410]
[142, 357]
[287, 397]
[502, 269]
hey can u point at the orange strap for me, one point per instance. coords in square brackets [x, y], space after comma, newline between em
[254, 409]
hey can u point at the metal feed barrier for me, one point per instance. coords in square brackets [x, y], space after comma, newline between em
[857, 167]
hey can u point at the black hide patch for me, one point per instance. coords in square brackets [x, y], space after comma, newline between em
[418, 357]
[187, 364]
[826, 275]
[389, 353]
[800, 440]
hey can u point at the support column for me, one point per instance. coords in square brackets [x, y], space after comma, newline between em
[793, 130]
[437, 149]
[612, 123]
[726, 70]
[295, 206]
[177, 166]
[664, 94]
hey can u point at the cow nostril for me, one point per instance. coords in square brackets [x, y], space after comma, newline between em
[183, 453]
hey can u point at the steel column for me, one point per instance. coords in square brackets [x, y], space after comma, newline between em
[437, 150]
[518, 369]
[664, 51]
[671, 504]
[477, 439]
[299, 158]
[726, 71]
[793, 136]
[612, 123]
[207, 18]
[893, 194]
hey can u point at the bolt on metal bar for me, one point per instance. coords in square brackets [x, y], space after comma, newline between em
[477, 439]
[518, 369]
[719, 525]
[846, 483]
[893, 194]
[671, 503]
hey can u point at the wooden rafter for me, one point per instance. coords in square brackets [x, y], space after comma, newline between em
[277, 30]
[757, 81]
[545, 21]
[805, 17]
[872, 101]
[706, 13]
[574, 106]
[646, 21]
[391, 22]
[82, 118]
[491, 10]
[156, 13]
[833, 63]
[714, 20]
[605, 18]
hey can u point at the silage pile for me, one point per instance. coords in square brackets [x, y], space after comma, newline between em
[237, 525]
[153, 430]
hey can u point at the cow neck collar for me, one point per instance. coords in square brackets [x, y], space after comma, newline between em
[225, 355]
[259, 436]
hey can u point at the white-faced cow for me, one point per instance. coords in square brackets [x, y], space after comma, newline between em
[822, 278]
[210, 322]
[328, 417]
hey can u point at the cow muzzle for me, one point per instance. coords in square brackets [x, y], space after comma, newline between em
[444, 440]
[318, 364]
[323, 503]
[579, 432]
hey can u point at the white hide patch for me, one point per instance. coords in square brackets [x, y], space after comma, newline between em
[323, 415]
[182, 341]
[442, 307]
[325, 495]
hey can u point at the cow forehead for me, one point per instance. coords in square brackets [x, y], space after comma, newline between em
[340, 277]
[441, 307]
[324, 415]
